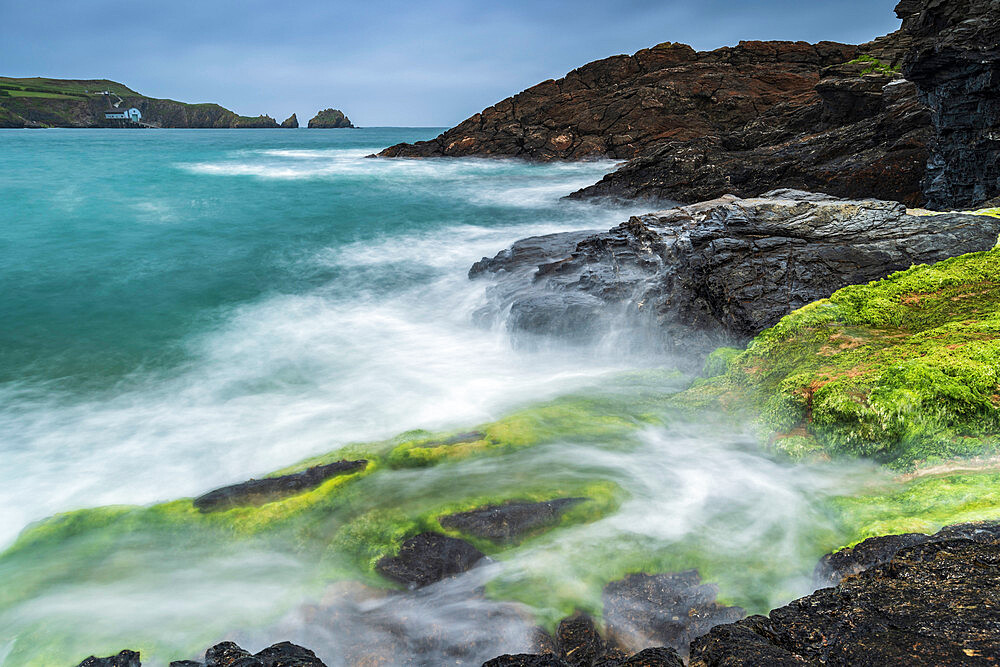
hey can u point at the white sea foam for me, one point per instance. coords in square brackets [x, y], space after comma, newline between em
[294, 375]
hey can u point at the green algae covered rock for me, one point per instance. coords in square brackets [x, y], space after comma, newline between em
[904, 370]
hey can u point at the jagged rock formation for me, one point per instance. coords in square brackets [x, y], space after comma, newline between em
[292, 122]
[330, 119]
[864, 135]
[932, 604]
[82, 103]
[835, 567]
[260, 491]
[726, 268]
[956, 65]
[620, 106]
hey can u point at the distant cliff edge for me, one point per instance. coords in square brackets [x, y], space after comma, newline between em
[40, 102]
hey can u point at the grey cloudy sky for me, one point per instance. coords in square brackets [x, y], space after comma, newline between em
[384, 62]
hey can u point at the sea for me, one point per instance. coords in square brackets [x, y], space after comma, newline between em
[186, 309]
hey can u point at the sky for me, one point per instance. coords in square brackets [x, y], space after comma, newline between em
[384, 62]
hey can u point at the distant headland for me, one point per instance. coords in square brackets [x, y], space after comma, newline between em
[100, 103]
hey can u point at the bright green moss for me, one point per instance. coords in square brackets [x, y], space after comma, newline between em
[922, 505]
[874, 65]
[904, 370]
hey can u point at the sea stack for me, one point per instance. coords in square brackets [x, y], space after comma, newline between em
[290, 122]
[330, 118]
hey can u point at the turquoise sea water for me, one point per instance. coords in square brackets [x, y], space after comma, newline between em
[182, 309]
[186, 309]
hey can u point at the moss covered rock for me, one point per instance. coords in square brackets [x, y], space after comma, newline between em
[904, 370]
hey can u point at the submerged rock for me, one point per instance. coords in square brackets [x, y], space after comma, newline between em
[719, 270]
[451, 623]
[260, 491]
[663, 610]
[932, 604]
[428, 558]
[955, 63]
[579, 644]
[503, 523]
[123, 659]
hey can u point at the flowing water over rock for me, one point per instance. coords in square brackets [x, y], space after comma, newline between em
[196, 310]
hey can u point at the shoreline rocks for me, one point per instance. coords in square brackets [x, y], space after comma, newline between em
[933, 603]
[722, 270]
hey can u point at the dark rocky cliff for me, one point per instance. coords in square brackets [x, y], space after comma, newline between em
[956, 66]
[619, 107]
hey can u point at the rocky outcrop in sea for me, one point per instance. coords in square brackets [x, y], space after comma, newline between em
[291, 122]
[330, 119]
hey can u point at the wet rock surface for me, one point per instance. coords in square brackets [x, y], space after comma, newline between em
[832, 568]
[718, 271]
[955, 62]
[620, 106]
[663, 610]
[260, 491]
[451, 622]
[122, 659]
[428, 558]
[935, 603]
[504, 523]
[577, 643]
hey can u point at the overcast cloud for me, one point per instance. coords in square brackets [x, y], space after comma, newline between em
[384, 62]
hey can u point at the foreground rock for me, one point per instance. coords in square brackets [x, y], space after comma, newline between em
[934, 603]
[330, 119]
[123, 659]
[956, 65]
[428, 558]
[260, 491]
[620, 106]
[577, 643]
[507, 522]
[720, 270]
[833, 568]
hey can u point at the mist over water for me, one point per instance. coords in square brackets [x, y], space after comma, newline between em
[188, 309]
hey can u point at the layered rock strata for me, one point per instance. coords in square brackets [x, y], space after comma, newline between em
[719, 270]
